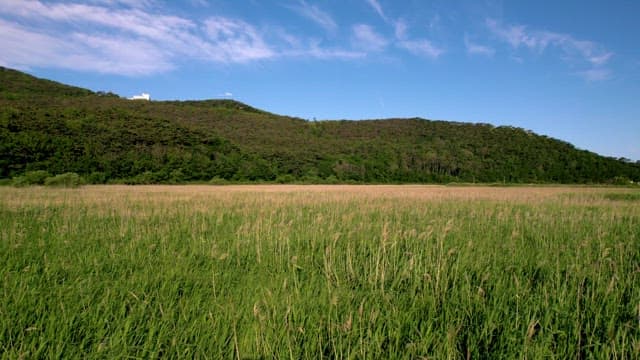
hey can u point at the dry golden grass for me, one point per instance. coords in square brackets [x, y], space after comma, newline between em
[144, 201]
[101, 194]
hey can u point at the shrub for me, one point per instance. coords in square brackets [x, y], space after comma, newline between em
[634, 196]
[145, 178]
[217, 180]
[19, 181]
[312, 179]
[36, 177]
[621, 180]
[285, 179]
[68, 180]
[97, 177]
[176, 176]
[332, 179]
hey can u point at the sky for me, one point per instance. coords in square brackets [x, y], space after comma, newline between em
[567, 69]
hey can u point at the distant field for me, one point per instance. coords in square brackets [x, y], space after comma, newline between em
[288, 271]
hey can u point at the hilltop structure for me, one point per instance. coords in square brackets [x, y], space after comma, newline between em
[143, 96]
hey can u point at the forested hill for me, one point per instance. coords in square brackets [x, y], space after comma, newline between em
[49, 126]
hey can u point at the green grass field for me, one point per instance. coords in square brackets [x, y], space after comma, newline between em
[250, 272]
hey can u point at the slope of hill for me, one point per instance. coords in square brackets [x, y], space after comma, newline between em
[49, 126]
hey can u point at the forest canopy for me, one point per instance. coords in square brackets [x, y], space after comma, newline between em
[52, 127]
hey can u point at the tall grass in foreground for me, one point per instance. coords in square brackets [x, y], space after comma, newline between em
[295, 272]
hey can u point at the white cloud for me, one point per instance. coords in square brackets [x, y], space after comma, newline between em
[514, 35]
[574, 51]
[590, 51]
[315, 14]
[600, 59]
[313, 49]
[378, 9]
[119, 55]
[131, 3]
[138, 39]
[421, 47]
[365, 37]
[21, 48]
[200, 3]
[364, 34]
[97, 38]
[519, 35]
[596, 74]
[235, 41]
[400, 29]
[24, 48]
[134, 21]
[477, 49]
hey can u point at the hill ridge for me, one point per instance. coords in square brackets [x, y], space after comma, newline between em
[46, 125]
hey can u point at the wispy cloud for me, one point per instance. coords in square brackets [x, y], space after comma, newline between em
[315, 14]
[515, 35]
[314, 50]
[590, 51]
[200, 3]
[417, 46]
[477, 49]
[573, 50]
[378, 9]
[129, 3]
[232, 40]
[138, 38]
[132, 38]
[400, 29]
[595, 74]
[365, 37]
[421, 47]
[24, 48]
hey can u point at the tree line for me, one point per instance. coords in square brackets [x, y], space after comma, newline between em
[46, 126]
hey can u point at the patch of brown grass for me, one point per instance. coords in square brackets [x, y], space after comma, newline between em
[170, 198]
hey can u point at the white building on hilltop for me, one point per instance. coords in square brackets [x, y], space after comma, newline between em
[143, 96]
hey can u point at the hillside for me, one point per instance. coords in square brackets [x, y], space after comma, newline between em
[49, 126]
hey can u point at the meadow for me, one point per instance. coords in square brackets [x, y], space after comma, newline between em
[308, 272]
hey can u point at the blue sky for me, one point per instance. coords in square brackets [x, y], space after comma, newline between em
[567, 69]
